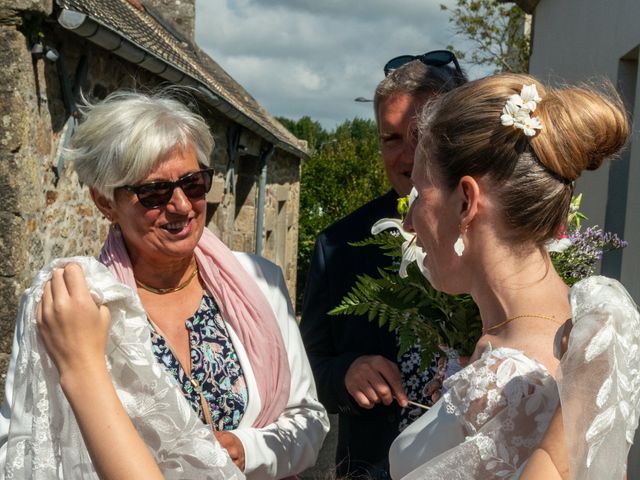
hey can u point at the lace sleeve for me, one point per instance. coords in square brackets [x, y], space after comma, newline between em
[44, 440]
[600, 379]
[504, 401]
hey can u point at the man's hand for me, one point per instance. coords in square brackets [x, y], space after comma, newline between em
[373, 379]
[234, 447]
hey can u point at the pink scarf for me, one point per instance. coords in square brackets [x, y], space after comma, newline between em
[242, 304]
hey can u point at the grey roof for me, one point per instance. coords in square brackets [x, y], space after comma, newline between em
[139, 37]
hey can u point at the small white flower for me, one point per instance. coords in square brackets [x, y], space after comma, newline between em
[509, 112]
[530, 97]
[412, 382]
[528, 124]
[507, 119]
[517, 111]
[405, 367]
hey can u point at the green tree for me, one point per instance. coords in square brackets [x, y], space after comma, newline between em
[306, 129]
[497, 31]
[344, 172]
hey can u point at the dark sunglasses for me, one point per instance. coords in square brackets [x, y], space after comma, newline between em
[435, 58]
[157, 194]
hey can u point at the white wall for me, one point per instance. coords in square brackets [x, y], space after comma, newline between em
[582, 40]
[586, 40]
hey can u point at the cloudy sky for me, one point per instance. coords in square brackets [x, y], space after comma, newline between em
[313, 57]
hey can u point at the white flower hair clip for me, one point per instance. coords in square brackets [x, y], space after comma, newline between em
[517, 111]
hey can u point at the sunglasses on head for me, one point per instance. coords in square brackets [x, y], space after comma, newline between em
[435, 58]
[157, 194]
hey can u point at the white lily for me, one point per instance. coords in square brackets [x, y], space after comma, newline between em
[411, 252]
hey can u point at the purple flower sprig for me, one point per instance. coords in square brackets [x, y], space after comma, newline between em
[579, 260]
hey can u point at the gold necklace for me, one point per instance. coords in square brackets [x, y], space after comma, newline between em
[527, 315]
[163, 291]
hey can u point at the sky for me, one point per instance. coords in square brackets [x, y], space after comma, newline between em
[314, 57]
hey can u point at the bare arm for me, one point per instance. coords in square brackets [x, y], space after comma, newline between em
[550, 459]
[74, 331]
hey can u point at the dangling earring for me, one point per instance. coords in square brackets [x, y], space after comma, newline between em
[458, 246]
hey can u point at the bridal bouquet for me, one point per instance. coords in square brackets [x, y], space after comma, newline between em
[401, 297]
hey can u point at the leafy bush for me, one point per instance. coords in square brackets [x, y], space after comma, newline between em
[344, 172]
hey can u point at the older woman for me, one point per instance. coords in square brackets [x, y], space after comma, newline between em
[219, 324]
[494, 175]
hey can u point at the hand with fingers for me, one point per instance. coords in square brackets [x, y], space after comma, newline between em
[72, 327]
[234, 447]
[373, 379]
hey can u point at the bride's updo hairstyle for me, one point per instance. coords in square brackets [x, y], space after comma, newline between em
[532, 177]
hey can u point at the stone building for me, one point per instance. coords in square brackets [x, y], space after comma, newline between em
[53, 52]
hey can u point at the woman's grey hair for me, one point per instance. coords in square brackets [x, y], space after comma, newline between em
[415, 78]
[125, 136]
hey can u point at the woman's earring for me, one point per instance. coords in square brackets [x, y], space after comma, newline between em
[458, 246]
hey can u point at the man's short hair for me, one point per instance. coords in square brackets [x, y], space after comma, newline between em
[415, 78]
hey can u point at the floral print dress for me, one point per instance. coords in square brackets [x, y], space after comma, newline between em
[216, 374]
[417, 382]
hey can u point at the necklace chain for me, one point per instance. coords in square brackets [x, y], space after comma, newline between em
[204, 404]
[163, 291]
[511, 319]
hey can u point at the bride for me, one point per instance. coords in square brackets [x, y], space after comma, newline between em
[494, 174]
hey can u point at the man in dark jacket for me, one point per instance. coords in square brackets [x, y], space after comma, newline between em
[355, 362]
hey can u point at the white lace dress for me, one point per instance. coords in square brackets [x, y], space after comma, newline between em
[496, 410]
[44, 441]
[39, 436]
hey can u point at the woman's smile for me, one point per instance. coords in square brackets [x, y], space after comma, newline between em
[179, 229]
[158, 235]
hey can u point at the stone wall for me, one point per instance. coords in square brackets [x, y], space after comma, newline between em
[233, 211]
[47, 214]
[281, 216]
[26, 142]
